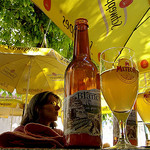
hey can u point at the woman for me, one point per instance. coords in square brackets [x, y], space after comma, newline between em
[43, 108]
[37, 127]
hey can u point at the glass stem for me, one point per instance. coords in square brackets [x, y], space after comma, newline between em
[122, 127]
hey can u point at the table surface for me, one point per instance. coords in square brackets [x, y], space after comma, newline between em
[63, 149]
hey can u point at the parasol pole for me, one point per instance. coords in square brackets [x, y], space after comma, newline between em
[28, 84]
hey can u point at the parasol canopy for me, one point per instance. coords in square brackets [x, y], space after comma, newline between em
[112, 23]
[31, 72]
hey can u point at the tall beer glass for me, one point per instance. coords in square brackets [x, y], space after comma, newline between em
[143, 107]
[119, 86]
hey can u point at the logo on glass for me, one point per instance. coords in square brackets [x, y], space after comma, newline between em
[147, 95]
[126, 71]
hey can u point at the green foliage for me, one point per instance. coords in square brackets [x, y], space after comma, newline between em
[5, 93]
[107, 117]
[24, 24]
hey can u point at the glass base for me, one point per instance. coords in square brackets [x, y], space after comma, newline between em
[145, 147]
[123, 145]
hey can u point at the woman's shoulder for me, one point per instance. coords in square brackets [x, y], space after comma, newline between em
[22, 128]
[19, 128]
[59, 131]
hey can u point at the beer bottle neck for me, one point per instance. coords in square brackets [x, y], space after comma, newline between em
[81, 42]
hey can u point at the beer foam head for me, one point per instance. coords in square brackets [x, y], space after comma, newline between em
[123, 62]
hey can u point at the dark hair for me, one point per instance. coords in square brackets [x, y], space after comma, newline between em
[36, 102]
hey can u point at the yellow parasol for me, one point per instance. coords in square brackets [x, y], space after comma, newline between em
[112, 23]
[41, 72]
[10, 107]
[31, 73]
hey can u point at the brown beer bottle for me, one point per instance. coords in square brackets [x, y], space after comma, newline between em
[82, 107]
[131, 128]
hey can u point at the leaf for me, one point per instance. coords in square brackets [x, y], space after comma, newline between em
[25, 3]
[17, 15]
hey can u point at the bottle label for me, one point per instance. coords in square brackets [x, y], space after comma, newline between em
[83, 113]
[131, 127]
[115, 127]
[115, 130]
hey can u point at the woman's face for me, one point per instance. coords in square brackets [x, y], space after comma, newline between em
[49, 112]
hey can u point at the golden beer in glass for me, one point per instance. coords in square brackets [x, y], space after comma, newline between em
[143, 107]
[119, 86]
